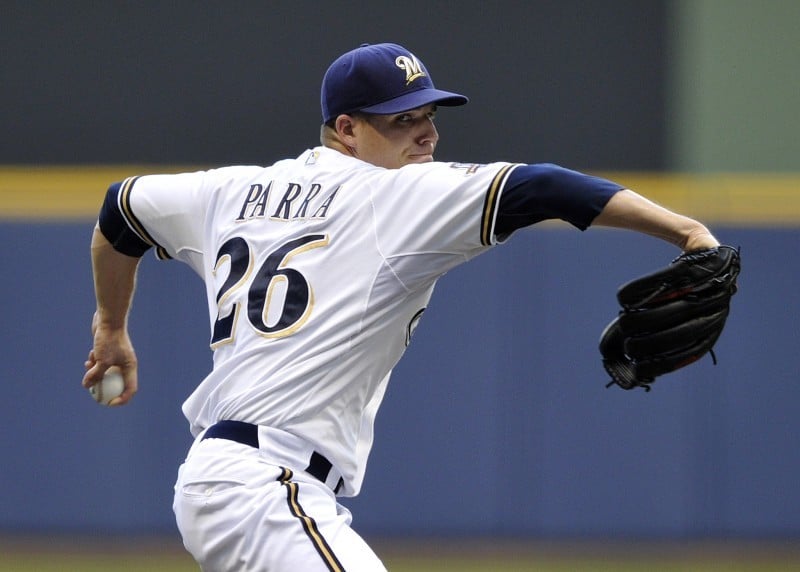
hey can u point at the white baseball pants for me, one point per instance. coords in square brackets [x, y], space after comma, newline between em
[238, 510]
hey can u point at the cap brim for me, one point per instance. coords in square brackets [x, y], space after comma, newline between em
[417, 99]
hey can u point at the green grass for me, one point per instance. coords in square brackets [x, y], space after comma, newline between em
[94, 563]
[583, 565]
[44, 555]
[163, 563]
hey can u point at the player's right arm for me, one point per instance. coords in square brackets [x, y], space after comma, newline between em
[114, 282]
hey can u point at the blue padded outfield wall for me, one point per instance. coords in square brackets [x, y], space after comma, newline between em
[496, 422]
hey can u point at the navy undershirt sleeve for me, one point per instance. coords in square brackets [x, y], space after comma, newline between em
[534, 193]
[116, 230]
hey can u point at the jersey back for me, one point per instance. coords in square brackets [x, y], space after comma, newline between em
[317, 271]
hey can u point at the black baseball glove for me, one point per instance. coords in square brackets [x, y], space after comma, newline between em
[670, 318]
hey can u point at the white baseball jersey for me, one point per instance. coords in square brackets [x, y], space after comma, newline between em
[317, 270]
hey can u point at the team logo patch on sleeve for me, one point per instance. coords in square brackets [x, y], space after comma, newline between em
[468, 168]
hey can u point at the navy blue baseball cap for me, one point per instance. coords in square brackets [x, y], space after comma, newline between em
[382, 79]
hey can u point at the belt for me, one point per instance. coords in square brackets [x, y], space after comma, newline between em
[318, 467]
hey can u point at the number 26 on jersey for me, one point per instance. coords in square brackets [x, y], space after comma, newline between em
[279, 298]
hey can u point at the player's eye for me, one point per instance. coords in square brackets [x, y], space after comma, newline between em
[407, 118]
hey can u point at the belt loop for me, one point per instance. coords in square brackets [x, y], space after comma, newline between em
[319, 467]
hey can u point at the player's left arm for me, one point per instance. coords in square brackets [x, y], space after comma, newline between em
[629, 210]
[539, 192]
[543, 191]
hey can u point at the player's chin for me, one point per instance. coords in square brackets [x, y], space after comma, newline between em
[420, 158]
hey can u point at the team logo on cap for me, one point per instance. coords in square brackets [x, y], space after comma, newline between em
[410, 64]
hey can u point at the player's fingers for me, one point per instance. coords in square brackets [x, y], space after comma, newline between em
[131, 387]
[94, 374]
[121, 400]
[90, 360]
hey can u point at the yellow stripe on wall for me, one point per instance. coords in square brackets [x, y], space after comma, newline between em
[63, 192]
[749, 199]
[742, 199]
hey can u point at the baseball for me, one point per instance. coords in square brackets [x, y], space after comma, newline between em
[111, 387]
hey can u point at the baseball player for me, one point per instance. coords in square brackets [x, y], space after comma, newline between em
[317, 270]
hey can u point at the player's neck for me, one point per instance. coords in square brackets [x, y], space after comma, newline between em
[329, 138]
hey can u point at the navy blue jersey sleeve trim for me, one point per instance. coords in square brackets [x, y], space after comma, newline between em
[121, 227]
[115, 229]
[490, 204]
[133, 221]
[534, 193]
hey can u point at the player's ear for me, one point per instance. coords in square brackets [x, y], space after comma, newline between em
[345, 129]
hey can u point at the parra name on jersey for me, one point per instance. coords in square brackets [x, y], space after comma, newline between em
[286, 201]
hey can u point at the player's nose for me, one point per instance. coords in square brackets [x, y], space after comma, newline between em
[428, 133]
